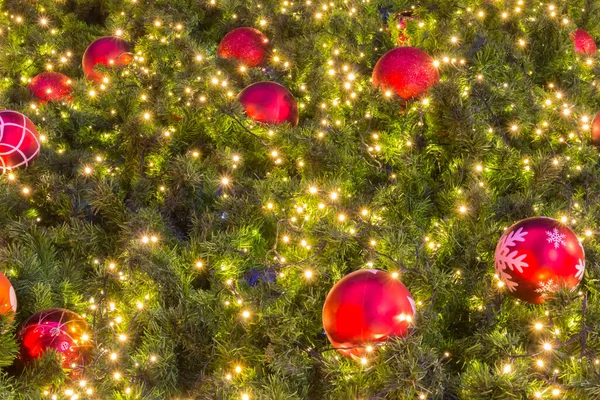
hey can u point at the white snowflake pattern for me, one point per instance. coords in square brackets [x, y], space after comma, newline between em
[556, 238]
[580, 269]
[13, 299]
[412, 304]
[547, 287]
[504, 258]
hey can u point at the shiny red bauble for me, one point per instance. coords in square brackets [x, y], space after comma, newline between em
[406, 71]
[584, 42]
[8, 298]
[247, 45]
[537, 256]
[109, 51]
[596, 130]
[270, 103]
[51, 86]
[61, 330]
[19, 140]
[364, 308]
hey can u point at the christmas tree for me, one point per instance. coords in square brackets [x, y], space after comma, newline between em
[181, 197]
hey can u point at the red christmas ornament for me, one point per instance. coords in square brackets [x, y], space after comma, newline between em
[539, 255]
[596, 130]
[269, 102]
[58, 329]
[406, 71]
[584, 42]
[51, 86]
[19, 140]
[8, 298]
[247, 45]
[109, 51]
[364, 308]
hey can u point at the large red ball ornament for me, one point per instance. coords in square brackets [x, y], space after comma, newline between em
[109, 51]
[537, 256]
[51, 86]
[58, 329]
[584, 42]
[19, 140]
[596, 130]
[406, 71]
[247, 45]
[8, 298]
[364, 308]
[269, 102]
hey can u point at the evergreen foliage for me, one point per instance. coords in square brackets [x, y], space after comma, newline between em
[84, 240]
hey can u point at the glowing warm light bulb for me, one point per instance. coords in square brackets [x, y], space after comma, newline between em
[538, 326]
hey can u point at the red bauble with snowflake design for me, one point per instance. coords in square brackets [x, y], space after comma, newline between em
[247, 45]
[61, 330]
[19, 140]
[51, 86]
[406, 71]
[537, 256]
[270, 103]
[584, 42]
[108, 51]
[365, 308]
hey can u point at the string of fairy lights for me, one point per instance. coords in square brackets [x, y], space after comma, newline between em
[313, 201]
